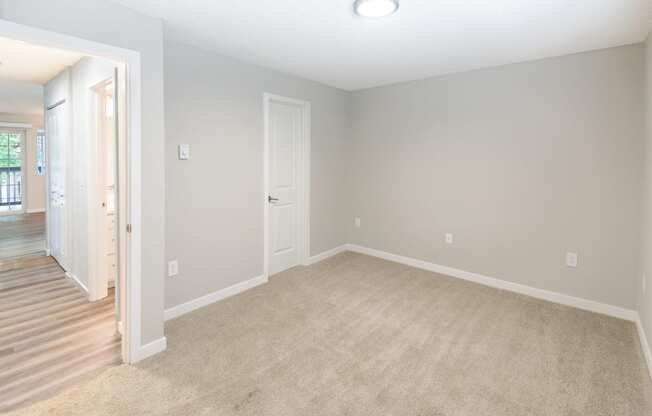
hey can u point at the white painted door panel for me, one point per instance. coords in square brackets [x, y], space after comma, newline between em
[57, 132]
[285, 130]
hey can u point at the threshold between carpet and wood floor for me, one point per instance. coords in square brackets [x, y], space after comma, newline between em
[359, 335]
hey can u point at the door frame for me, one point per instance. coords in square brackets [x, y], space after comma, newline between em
[132, 350]
[303, 182]
[97, 284]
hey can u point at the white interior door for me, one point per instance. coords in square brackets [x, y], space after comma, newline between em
[57, 132]
[285, 137]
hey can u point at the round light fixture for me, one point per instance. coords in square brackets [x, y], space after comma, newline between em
[375, 8]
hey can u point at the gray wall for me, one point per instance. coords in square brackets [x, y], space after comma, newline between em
[98, 20]
[214, 206]
[644, 289]
[521, 163]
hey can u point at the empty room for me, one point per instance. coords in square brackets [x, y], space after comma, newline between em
[344, 207]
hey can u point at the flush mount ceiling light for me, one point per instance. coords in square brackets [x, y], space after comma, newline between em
[375, 8]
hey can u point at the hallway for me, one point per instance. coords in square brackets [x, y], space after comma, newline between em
[50, 335]
[22, 234]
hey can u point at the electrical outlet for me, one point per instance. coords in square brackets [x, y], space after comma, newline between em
[571, 259]
[173, 268]
[449, 238]
[357, 222]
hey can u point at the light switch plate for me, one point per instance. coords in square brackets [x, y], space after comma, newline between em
[173, 268]
[448, 238]
[184, 151]
[357, 222]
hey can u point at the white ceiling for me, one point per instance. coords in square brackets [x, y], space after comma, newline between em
[20, 97]
[20, 61]
[325, 41]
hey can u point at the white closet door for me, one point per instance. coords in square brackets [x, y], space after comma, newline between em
[57, 142]
[285, 130]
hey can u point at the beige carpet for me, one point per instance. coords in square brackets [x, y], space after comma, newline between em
[355, 335]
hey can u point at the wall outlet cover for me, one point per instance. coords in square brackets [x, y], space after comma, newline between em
[571, 259]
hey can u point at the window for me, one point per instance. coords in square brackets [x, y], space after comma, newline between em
[40, 153]
[11, 175]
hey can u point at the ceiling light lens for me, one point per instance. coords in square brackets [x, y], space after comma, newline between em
[375, 8]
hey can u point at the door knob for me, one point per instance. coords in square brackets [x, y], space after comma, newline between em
[271, 200]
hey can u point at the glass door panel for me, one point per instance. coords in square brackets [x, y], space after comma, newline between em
[12, 186]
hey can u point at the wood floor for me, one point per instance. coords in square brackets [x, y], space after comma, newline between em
[50, 335]
[21, 234]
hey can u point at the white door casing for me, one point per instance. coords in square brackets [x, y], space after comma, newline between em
[287, 149]
[102, 191]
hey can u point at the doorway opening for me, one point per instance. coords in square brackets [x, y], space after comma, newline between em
[79, 294]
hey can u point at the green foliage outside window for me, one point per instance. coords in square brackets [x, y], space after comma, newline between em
[10, 156]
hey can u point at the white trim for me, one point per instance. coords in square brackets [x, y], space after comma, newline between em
[645, 347]
[36, 211]
[16, 125]
[78, 282]
[97, 228]
[150, 349]
[501, 284]
[303, 181]
[184, 308]
[327, 254]
[555, 297]
[132, 350]
[25, 175]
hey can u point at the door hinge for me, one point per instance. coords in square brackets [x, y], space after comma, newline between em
[129, 228]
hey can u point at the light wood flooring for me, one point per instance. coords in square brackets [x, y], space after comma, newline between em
[51, 336]
[22, 234]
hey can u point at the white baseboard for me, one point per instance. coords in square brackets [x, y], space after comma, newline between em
[36, 211]
[77, 281]
[645, 346]
[195, 304]
[328, 253]
[555, 297]
[205, 300]
[150, 349]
